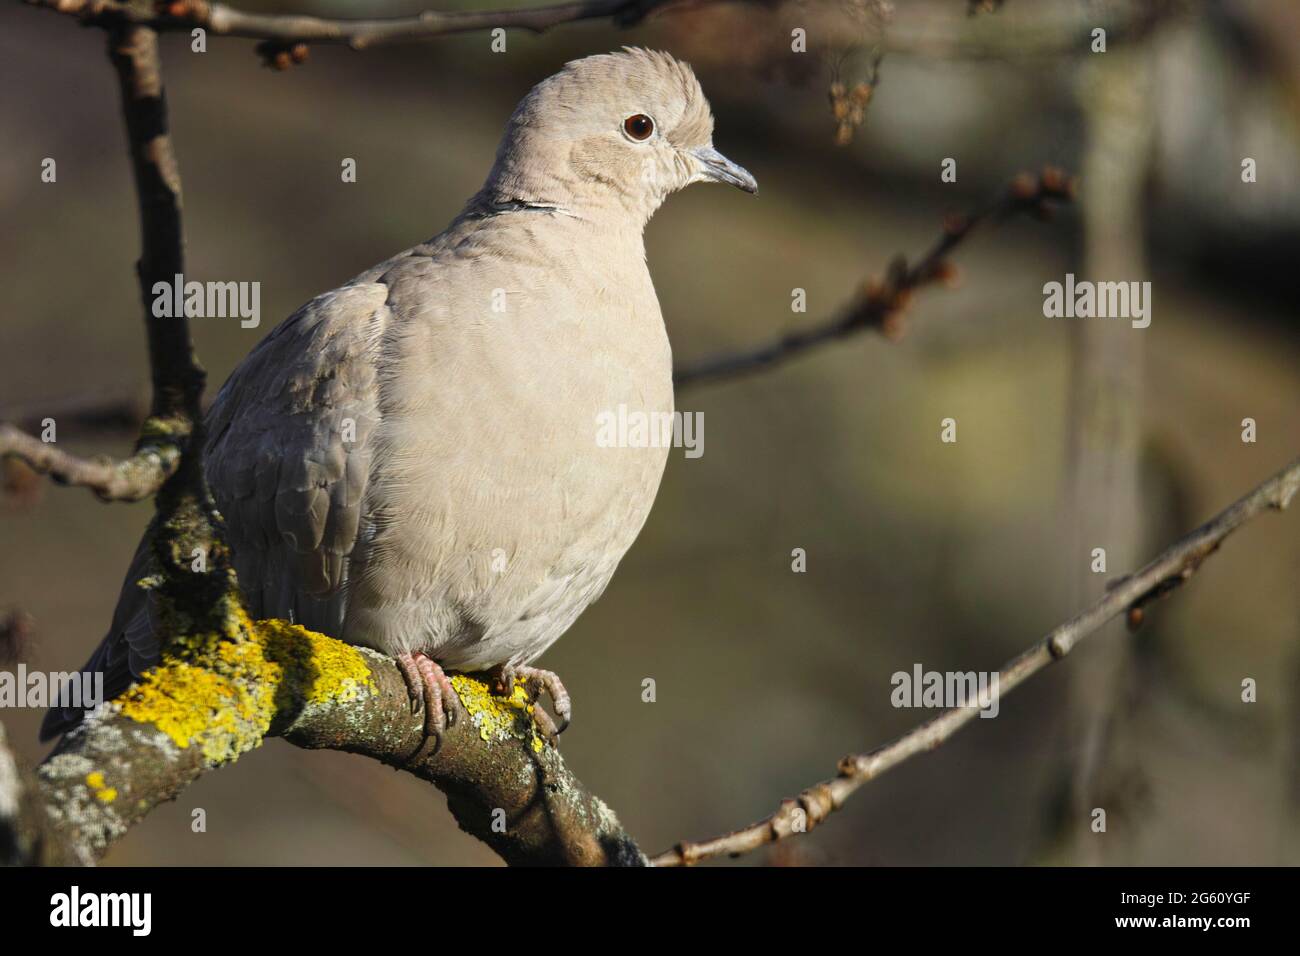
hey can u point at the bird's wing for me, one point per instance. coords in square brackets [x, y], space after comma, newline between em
[289, 454]
[287, 458]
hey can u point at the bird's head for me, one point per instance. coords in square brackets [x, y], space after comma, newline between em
[613, 134]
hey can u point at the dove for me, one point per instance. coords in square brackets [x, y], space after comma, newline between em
[410, 461]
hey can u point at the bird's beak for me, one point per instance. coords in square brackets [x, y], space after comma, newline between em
[715, 166]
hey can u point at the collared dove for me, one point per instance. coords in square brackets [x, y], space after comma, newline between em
[410, 462]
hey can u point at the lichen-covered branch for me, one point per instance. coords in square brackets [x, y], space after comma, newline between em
[881, 304]
[504, 783]
[216, 696]
[1128, 595]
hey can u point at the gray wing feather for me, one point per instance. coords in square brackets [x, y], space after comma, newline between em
[288, 459]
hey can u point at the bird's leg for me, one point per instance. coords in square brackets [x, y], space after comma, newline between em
[559, 696]
[506, 674]
[430, 688]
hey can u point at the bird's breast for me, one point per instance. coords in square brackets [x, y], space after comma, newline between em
[500, 506]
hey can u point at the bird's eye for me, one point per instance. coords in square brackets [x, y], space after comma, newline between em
[639, 127]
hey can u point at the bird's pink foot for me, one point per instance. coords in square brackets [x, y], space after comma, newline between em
[431, 689]
[506, 675]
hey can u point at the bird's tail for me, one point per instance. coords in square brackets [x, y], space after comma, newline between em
[129, 648]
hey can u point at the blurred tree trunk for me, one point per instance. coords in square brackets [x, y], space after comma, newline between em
[1104, 434]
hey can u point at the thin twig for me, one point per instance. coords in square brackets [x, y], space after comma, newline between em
[132, 479]
[1171, 569]
[223, 20]
[882, 303]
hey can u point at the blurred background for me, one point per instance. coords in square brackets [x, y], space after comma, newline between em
[1072, 433]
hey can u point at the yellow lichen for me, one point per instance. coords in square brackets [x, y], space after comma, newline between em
[221, 690]
[498, 718]
[95, 781]
[155, 427]
[221, 694]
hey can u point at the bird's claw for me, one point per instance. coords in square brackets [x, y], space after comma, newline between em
[539, 680]
[431, 690]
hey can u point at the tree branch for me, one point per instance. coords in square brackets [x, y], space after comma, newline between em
[212, 700]
[186, 523]
[881, 305]
[285, 29]
[178, 380]
[1129, 594]
[132, 479]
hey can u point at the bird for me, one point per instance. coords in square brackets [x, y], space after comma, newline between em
[409, 462]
